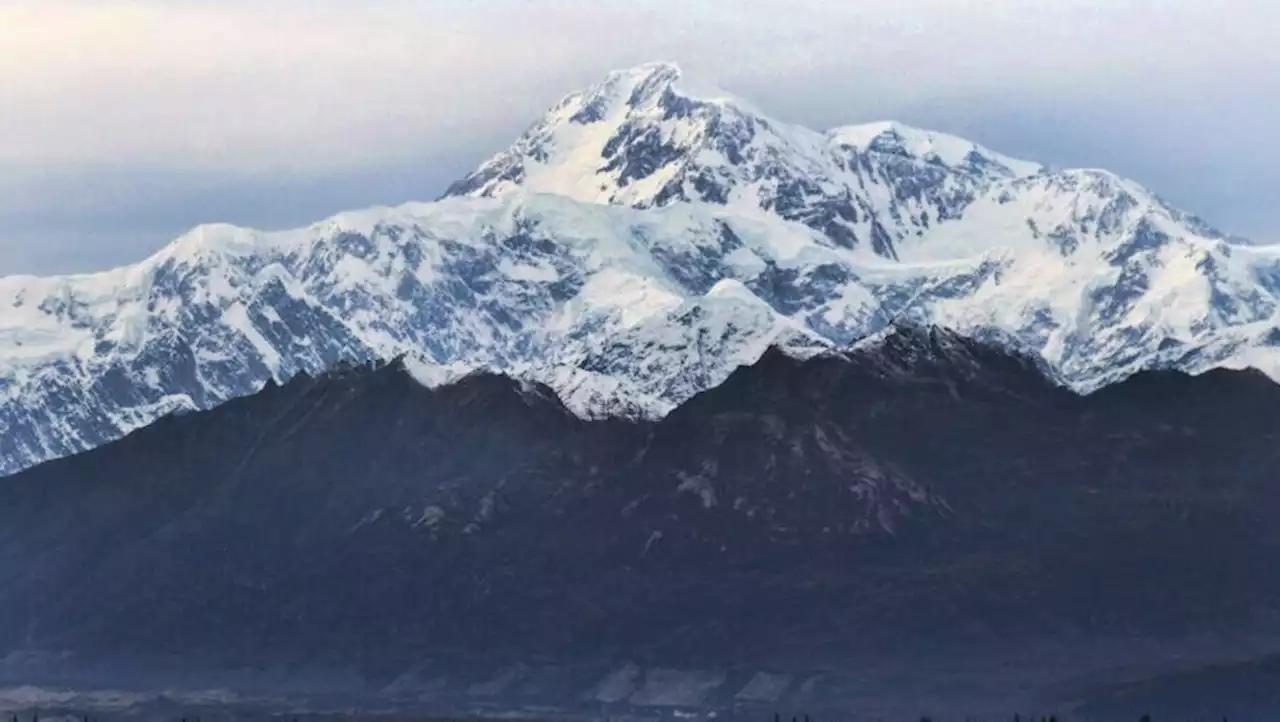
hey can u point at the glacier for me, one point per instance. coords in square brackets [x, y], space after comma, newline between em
[631, 249]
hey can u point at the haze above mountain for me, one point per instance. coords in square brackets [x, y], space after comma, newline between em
[633, 247]
[341, 105]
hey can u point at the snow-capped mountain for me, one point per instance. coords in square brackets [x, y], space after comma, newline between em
[633, 247]
[637, 140]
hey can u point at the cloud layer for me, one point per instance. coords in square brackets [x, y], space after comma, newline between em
[125, 122]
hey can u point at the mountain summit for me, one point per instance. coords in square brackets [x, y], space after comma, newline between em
[633, 247]
[638, 140]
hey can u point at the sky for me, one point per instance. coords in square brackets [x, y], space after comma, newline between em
[125, 122]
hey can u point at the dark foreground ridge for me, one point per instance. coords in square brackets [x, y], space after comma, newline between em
[925, 520]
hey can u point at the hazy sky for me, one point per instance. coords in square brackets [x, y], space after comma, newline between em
[124, 122]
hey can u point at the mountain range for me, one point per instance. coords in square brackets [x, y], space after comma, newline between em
[925, 523]
[632, 248]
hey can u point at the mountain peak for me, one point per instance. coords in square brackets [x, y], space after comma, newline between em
[653, 68]
[212, 239]
[621, 91]
[648, 77]
[636, 139]
[950, 151]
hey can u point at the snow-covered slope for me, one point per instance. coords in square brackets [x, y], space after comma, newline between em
[632, 248]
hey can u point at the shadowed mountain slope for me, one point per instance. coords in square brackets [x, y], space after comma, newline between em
[919, 497]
